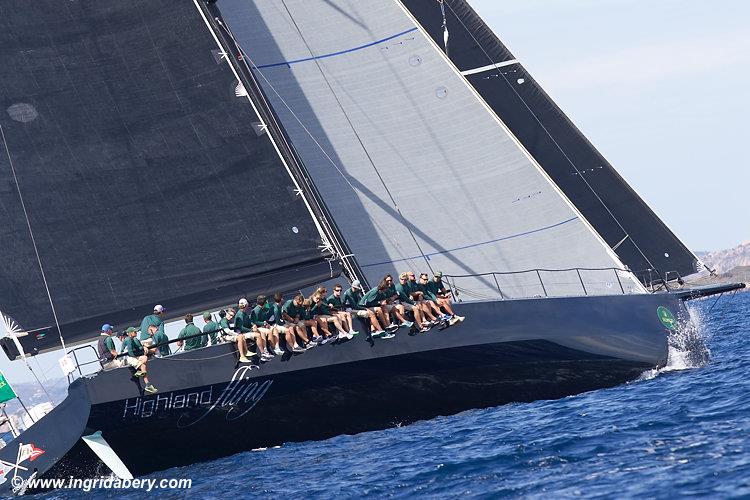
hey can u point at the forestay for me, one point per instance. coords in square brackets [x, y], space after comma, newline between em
[145, 178]
[415, 169]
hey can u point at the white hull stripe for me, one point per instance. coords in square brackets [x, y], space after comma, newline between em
[488, 67]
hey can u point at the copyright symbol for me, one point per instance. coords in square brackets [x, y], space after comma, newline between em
[17, 482]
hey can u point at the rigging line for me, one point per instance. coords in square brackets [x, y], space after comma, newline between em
[242, 55]
[33, 240]
[557, 144]
[343, 175]
[359, 139]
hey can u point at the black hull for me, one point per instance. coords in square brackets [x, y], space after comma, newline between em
[209, 406]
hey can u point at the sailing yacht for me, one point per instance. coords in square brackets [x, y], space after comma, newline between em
[190, 153]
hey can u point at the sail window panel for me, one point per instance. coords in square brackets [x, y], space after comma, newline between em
[467, 193]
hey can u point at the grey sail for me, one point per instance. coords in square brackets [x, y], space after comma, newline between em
[640, 238]
[416, 171]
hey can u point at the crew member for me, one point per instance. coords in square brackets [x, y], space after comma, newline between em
[196, 340]
[136, 358]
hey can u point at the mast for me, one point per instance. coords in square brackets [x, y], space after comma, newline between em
[238, 60]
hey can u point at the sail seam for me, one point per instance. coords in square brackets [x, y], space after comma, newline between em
[333, 54]
[473, 245]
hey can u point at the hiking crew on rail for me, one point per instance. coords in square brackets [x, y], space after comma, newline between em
[383, 309]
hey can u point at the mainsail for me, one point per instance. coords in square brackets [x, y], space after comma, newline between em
[622, 218]
[142, 173]
[416, 170]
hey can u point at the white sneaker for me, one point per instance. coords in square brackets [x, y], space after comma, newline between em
[350, 335]
[460, 318]
[392, 325]
[278, 352]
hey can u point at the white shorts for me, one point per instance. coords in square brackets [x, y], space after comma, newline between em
[281, 328]
[360, 313]
[250, 335]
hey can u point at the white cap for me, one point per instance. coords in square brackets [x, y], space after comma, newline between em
[158, 308]
[243, 302]
[356, 284]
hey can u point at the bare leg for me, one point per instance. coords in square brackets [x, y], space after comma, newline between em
[399, 312]
[301, 333]
[291, 340]
[374, 325]
[324, 326]
[447, 305]
[337, 324]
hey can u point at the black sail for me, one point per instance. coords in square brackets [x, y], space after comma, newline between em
[622, 218]
[145, 178]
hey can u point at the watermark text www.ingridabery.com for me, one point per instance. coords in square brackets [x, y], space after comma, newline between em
[103, 483]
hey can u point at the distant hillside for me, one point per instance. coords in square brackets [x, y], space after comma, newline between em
[726, 260]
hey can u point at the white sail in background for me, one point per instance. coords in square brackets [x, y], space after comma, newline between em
[417, 172]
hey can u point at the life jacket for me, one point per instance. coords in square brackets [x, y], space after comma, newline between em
[105, 355]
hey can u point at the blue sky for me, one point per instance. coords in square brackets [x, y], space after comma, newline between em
[662, 88]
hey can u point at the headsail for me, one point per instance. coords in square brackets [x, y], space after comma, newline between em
[415, 169]
[622, 218]
[145, 177]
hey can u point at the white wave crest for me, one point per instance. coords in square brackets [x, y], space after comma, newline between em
[687, 346]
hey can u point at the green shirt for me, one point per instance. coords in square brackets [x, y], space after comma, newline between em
[321, 309]
[212, 327]
[276, 310]
[424, 288]
[372, 298]
[109, 343]
[291, 310]
[151, 320]
[403, 293]
[195, 342]
[335, 302]
[352, 298]
[161, 338]
[242, 322]
[436, 287]
[260, 315]
[133, 347]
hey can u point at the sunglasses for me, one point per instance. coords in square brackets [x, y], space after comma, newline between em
[337, 290]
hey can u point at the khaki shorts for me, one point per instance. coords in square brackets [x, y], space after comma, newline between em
[115, 363]
[250, 335]
[360, 313]
[132, 362]
[327, 319]
[281, 328]
[264, 330]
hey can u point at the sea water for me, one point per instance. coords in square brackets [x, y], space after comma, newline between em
[682, 430]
